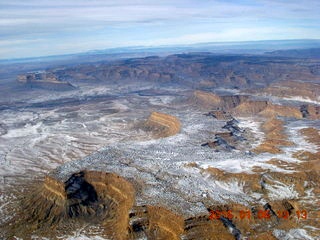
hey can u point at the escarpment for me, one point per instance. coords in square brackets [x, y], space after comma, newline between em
[162, 125]
[243, 105]
[250, 107]
[211, 100]
[86, 196]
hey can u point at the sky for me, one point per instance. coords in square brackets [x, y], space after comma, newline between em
[31, 28]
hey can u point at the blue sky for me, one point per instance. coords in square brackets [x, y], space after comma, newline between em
[30, 28]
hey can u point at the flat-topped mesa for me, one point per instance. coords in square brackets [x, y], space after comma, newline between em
[163, 125]
[44, 80]
[210, 100]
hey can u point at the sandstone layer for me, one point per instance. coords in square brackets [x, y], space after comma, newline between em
[162, 125]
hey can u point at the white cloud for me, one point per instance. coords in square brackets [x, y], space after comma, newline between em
[154, 22]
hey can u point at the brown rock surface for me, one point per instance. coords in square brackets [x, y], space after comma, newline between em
[250, 108]
[162, 125]
[87, 196]
[313, 111]
[273, 110]
[155, 223]
[210, 100]
[274, 137]
[307, 90]
[206, 99]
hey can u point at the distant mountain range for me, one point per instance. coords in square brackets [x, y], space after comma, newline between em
[274, 47]
[297, 53]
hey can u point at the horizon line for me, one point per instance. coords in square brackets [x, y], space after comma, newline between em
[141, 47]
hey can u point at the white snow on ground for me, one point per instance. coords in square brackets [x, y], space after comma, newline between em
[281, 191]
[83, 237]
[301, 99]
[293, 129]
[49, 139]
[292, 234]
[161, 100]
[253, 124]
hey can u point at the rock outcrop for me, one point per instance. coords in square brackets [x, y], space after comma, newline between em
[242, 105]
[219, 115]
[162, 125]
[210, 100]
[206, 99]
[310, 111]
[274, 137]
[44, 80]
[227, 139]
[87, 196]
[151, 222]
[232, 101]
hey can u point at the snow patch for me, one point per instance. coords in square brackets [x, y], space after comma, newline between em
[292, 234]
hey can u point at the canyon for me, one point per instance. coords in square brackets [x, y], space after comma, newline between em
[148, 148]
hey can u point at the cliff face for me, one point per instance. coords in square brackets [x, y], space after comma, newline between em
[210, 100]
[163, 125]
[109, 199]
[86, 196]
[242, 105]
[232, 101]
[250, 108]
